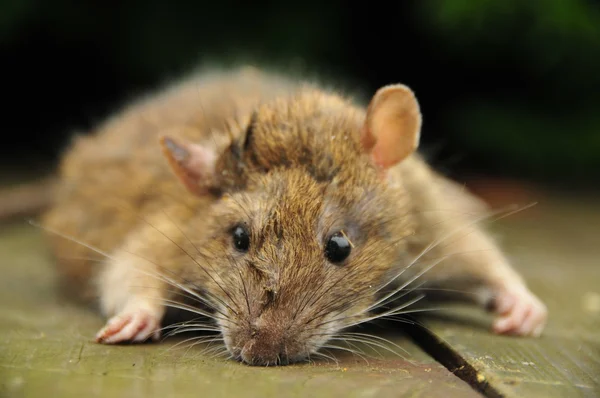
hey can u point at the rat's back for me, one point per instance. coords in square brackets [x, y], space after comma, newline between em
[111, 179]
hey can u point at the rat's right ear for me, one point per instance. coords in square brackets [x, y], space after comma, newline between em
[193, 164]
[393, 125]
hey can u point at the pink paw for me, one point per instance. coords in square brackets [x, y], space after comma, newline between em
[521, 313]
[130, 326]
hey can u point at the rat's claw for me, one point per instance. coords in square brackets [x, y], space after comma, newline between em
[522, 313]
[133, 326]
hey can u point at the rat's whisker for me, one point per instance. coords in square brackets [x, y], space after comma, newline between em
[323, 289]
[211, 350]
[194, 295]
[70, 238]
[188, 308]
[85, 258]
[175, 325]
[350, 350]
[452, 233]
[352, 298]
[373, 337]
[393, 296]
[219, 354]
[200, 254]
[195, 261]
[159, 276]
[175, 291]
[390, 295]
[174, 283]
[368, 319]
[350, 342]
[343, 317]
[385, 299]
[244, 287]
[196, 340]
[389, 315]
[457, 291]
[189, 329]
[328, 357]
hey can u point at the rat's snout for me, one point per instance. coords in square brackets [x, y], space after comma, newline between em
[265, 347]
[269, 341]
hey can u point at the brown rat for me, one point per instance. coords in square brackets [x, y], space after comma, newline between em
[283, 211]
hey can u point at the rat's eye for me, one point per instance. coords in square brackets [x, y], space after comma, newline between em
[338, 248]
[241, 238]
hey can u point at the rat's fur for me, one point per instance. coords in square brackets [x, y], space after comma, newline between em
[292, 163]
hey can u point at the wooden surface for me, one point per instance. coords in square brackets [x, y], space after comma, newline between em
[46, 346]
[557, 249]
[47, 350]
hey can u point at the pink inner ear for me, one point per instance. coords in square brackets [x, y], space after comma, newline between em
[193, 164]
[393, 126]
[384, 153]
[200, 161]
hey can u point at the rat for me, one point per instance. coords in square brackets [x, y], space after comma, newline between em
[283, 211]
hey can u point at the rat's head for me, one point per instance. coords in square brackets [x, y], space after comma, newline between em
[305, 225]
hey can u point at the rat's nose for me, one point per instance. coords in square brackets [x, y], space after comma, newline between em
[265, 348]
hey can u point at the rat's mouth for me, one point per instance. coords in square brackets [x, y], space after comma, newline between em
[252, 354]
[273, 341]
[266, 349]
[262, 351]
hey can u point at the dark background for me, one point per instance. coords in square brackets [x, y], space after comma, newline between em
[508, 88]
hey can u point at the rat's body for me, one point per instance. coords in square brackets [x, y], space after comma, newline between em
[283, 206]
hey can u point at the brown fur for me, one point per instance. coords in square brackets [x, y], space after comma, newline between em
[291, 165]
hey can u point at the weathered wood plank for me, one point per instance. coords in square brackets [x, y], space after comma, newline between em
[46, 350]
[557, 249]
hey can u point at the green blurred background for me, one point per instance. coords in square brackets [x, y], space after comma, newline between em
[508, 88]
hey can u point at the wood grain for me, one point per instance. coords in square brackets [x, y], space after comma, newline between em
[46, 346]
[47, 350]
[558, 252]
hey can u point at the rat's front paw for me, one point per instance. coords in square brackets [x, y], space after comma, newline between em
[132, 325]
[521, 313]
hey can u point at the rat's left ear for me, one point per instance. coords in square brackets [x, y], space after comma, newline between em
[393, 125]
[193, 164]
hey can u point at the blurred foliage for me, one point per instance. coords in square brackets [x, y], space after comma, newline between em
[549, 123]
[511, 84]
[151, 38]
